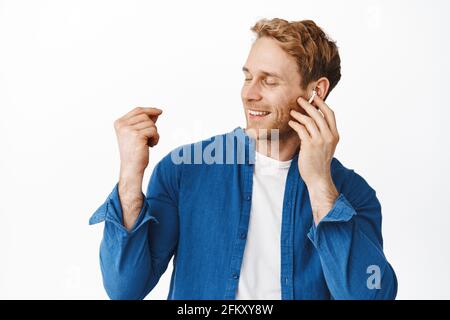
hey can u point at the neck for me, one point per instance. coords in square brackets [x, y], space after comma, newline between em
[282, 149]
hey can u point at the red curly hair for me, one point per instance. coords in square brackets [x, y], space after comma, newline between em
[316, 54]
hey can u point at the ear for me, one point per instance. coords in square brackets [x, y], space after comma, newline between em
[322, 87]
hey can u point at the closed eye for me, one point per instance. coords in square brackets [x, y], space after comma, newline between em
[270, 82]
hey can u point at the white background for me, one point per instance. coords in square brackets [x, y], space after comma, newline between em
[68, 69]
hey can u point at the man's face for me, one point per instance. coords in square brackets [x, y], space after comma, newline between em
[271, 87]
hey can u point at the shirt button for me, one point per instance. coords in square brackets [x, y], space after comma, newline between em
[248, 198]
[235, 276]
[243, 236]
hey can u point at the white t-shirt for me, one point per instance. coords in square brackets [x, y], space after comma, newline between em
[260, 271]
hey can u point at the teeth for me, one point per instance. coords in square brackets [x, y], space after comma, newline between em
[258, 113]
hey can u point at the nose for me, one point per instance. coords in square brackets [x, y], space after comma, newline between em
[251, 92]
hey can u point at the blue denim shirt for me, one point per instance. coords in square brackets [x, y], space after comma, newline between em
[199, 212]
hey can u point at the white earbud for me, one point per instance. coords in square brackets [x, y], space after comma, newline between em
[312, 96]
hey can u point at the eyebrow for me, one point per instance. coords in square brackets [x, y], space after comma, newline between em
[266, 73]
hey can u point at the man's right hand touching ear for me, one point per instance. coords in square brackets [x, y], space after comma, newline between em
[136, 132]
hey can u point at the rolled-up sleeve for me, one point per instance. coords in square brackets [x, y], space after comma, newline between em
[133, 261]
[350, 245]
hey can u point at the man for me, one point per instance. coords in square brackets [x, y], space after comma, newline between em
[261, 213]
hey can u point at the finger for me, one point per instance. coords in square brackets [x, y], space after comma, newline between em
[151, 134]
[153, 113]
[154, 118]
[315, 115]
[138, 110]
[154, 141]
[137, 119]
[300, 129]
[328, 113]
[143, 125]
[308, 122]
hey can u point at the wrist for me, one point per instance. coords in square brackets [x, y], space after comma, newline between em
[131, 175]
[323, 190]
[131, 198]
[323, 195]
[130, 186]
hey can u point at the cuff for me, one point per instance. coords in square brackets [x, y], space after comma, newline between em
[111, 211]
[342, 211]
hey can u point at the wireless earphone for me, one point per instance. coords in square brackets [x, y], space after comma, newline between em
[312, 96]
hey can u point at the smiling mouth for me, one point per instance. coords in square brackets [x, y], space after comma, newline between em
[257, 114]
